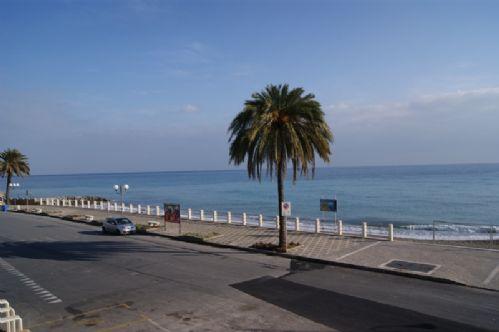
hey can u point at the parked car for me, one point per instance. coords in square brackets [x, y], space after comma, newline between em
[118, 225]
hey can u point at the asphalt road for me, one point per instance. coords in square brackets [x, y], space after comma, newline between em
[62, 276]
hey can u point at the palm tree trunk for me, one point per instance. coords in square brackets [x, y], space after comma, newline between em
[283, 243]
[7, 189]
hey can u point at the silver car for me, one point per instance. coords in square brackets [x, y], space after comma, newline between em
[118, 225]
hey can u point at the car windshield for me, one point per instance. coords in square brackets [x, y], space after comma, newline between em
[123, 221]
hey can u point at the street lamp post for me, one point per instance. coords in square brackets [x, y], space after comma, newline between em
[121, 189]
[13, 185]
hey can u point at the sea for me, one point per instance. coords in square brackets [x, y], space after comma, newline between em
[460, 198]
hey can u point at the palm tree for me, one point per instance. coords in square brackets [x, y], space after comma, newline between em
[12, 162]
[278, 125]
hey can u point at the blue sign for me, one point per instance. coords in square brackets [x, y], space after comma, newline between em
[329, 205]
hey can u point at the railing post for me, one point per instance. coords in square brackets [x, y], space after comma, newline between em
[229, 217]
[215, 216]
[88, 204]
[148, 210]
[139, 209]
[297, 224]
[201, 215]
[390, 232]
[131, 208]
[82, 203]
[244, 219]
[340, 227]
[364, 229]
[317, 225]
[157, 211]
[260, 220]
[58, 202]
[76, 203]
[189, 214]
[277, 222]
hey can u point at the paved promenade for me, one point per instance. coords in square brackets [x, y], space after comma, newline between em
[474, 267]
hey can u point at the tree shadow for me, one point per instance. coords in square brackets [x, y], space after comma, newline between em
[343, 312]
[81, 250]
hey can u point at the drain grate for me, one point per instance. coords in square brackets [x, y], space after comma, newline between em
[411, 266]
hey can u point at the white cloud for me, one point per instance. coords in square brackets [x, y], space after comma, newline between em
[435, 106]
[190, 108]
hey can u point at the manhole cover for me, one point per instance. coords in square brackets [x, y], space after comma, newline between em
[411, 266]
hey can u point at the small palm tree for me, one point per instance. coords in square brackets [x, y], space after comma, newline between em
[12, 162]
[278, 125]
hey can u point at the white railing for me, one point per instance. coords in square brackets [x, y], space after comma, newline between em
[438, 230]
[9, 321]
[243, 219]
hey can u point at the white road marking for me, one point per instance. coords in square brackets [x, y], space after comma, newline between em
[358, 250]
[157, 325]
[491, 275]
[40, 291]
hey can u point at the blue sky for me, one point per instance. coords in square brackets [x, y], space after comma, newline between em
[100, 86]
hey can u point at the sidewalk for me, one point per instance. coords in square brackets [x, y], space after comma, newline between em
[474, 267]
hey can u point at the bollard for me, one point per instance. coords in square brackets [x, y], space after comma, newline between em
[101, 205]
[229, 217]
[76, 203]
[189, 214]
[244, 219]
[340, 227]
[317, 225]
[41, 201]
[63, 202]
[297, 224]
[148, 210]
[277, 222]
[108, 206]
[88, 204]
[57, 202]
[201, 215]
[260, 220]
[157, 211]
[82, 203]
[122, 207]
[139, 209]
[115, 206]
[215, 216]
[131, 208]
[95, 205]
[390, 232]
[364, 229]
